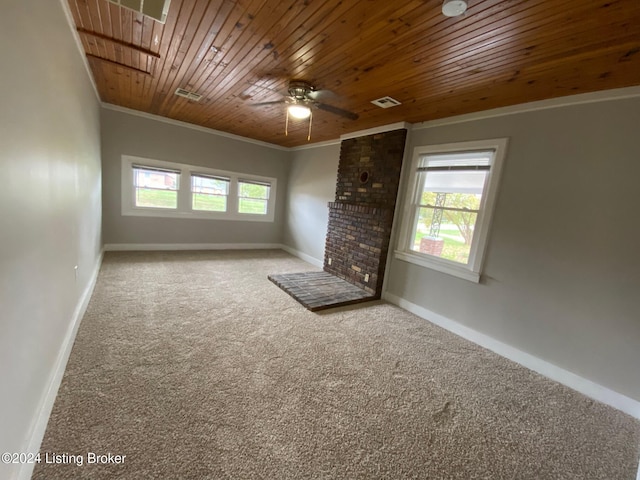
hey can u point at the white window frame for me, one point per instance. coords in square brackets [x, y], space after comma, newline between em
[185, 209]
[473, 269]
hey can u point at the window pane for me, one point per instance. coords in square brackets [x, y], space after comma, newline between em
[210, 185]
[455, 181]
[155, 189]
[155, 179]
[253, 190]
[209, 194]
[254, 206]
[209, 203]
[444, 234]
[467, 201]
[151, 197]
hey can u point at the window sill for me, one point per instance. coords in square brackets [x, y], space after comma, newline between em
[238, 217]
[442, 266]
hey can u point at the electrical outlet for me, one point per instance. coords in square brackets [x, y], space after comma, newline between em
[330, 261]
[366, 278]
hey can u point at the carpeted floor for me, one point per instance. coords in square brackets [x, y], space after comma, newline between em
[194, 366]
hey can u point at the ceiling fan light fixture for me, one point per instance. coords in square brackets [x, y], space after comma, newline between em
[299, 111]
[453, 8]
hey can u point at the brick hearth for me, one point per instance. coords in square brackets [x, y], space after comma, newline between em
[319, 290]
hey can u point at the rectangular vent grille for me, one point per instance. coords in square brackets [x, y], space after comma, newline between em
[156, 9]
[386, 102]
[181, 92]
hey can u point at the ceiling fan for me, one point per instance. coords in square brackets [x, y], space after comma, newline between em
[301, 99]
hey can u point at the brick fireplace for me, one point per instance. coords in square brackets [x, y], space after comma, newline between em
[359, 228]
[361, 216]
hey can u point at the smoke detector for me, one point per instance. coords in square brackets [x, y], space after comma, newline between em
[453, 8]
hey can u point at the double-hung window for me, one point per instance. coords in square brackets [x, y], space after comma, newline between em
[209, 193]
[155, 188]
[448, 209]
[253, 197]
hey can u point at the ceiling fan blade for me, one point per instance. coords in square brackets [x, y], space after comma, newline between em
[337, 111]
[318, 94]
[262, 104]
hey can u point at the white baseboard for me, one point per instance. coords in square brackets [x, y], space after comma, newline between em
[115, 247]
[571, 380]
[39, 426]
[121, 247]
[303, 256]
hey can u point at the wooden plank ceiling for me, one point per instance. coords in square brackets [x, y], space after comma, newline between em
[240, 52]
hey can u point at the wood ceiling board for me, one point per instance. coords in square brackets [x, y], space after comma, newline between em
[225, 70]
[501, 52]
[104, 12]
[187, 59]
[474, 99]
[280, 45]
[492, 37]
[488, 71]
[176, 22]
[231, 57]
[322, 45]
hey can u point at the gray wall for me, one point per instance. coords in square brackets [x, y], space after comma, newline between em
[312, 184]
[561, 276]
[49, 204]
[127, 134]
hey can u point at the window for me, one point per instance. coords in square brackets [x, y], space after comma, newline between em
[209, 193]
[253, 197]
[448, 209]
[157, 188]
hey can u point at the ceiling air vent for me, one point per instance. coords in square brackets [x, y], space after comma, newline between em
[386, 102]
[156, 9]
[181, 92]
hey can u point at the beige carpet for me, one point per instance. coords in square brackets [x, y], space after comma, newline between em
[194, 365]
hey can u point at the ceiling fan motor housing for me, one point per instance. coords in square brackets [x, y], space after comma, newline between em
[300, 90]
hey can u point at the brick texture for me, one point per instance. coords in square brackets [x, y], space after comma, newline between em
[360, 219]
[432, 246]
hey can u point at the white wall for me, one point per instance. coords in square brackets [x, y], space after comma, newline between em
[128, 134]
[561, 277]
[312, 185]
[50, 204]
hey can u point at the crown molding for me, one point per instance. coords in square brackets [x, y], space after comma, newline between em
[315, 145]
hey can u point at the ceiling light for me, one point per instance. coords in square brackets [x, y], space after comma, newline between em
[453, 8]
[299, 111]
